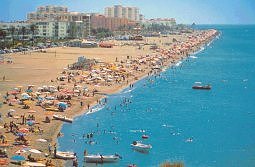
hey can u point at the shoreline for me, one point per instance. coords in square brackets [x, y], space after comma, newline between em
[77, 110]
[162, 69]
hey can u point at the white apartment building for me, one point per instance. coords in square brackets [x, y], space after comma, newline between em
[131, 13]
[57, 22]
[51, 29]
[7, 26]
[47, 13]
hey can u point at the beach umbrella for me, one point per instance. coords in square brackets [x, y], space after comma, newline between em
[76, 91]
[62, 105]
[18, 158]
[41, 140]
[20, 134]
[25, 148]
[30, 123]
[50, 98]
[49, 113]
[31, 111]
[27, 102]
[40, 98]
[38, 93]
[35, 151]
[20, 151]
[78, 86]
[14, 92]
[29, 90]
[25, 96]
[16, 117]
[13, 100]
[23, 130]
[11, 110]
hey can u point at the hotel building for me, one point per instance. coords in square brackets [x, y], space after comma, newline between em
[118, 11]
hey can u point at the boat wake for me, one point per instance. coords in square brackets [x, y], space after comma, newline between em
[128, 91]
[137, 131]
[167, 126]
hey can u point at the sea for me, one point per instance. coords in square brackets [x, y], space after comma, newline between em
[200, 128]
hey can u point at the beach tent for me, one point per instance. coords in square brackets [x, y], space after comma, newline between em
[35, 151]
[63, 105]
[41, 140]
[18, 158]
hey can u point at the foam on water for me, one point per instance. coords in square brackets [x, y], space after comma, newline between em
[178, 64]
[193, 57]
[95, 109]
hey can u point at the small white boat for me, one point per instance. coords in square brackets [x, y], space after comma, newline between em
[101, 158]
[33, 164]
[65, 155]
[141, 147]
[63, 118]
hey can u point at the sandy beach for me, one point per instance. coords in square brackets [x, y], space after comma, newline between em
[115, 68]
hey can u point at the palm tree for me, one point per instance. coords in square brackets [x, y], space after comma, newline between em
[2, 34]
[12, 30]
[32, 29]
[23, 31]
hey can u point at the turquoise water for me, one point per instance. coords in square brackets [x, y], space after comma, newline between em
[221, 121]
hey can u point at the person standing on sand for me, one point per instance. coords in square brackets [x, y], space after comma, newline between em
[49, 148]
[55, 150]
[4, 78]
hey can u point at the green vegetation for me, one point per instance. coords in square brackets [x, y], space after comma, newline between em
[101, 33]
[23, 37]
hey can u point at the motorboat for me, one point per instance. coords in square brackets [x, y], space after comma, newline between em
[101, 158]
[65, 155]
[141, 147]
[145, 136]
[203, 87]
[63, 118]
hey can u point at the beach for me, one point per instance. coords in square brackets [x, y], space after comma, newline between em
[115, 68]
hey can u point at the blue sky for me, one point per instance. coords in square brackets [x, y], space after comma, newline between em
[185, 11]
